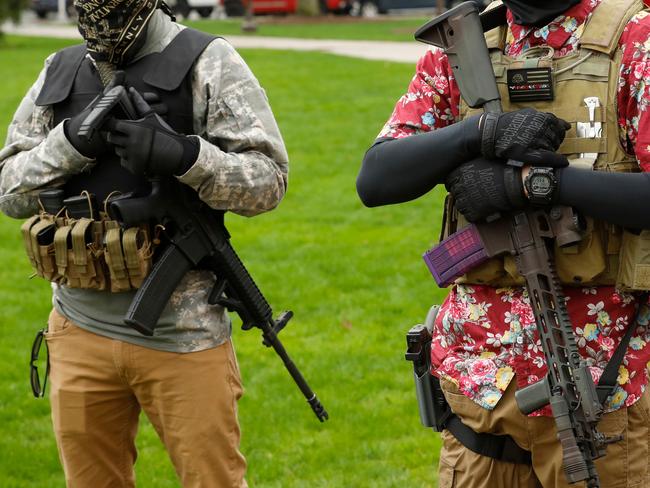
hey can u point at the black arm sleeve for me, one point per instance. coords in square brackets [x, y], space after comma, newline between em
[617, 198]
[399, 170]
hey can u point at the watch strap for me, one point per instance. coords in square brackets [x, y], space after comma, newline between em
[514, 187]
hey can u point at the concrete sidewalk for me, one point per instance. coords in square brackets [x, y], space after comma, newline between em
[401, 52]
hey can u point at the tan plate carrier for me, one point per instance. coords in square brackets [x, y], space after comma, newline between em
[608, 255]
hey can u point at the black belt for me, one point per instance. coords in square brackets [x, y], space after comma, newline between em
[499, 447]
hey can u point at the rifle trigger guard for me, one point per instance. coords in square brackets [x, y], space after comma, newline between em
[217, 291]
[220, 296]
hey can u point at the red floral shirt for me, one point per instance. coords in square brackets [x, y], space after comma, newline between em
[484, 336]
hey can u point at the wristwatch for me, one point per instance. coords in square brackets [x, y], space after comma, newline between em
[541, 185]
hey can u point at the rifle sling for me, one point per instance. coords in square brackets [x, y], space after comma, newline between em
[609, 378]
[492, 18]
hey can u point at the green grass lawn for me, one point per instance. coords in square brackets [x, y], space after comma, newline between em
[332, 27]
[394, 29]
[353, 277]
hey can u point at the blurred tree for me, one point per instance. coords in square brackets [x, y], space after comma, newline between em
[11, 9]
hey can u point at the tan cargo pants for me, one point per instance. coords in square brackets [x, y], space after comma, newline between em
[98, 387]
[625, 466]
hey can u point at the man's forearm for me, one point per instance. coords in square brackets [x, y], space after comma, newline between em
[35, 156]
[30, 164]
[618, 198]
[242, 164]
[247, 183]
[399, 170]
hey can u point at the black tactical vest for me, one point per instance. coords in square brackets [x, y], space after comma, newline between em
[72, 82]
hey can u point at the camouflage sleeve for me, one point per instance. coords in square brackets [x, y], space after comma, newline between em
[35, 155]
[242, 164]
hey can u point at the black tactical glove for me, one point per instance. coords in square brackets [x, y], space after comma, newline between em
[156, 104]
[482, 188]
[526, 135]
[150, 146]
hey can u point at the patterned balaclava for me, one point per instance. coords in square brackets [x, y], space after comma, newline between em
[114, 30]
[538, 12]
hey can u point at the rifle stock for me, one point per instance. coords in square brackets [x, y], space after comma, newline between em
[459, 32]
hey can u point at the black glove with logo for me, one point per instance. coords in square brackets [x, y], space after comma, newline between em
[156, 104]
[526, 135]
[482, 188]
[149, 145]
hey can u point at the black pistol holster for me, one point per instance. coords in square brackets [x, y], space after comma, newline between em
[434, 410]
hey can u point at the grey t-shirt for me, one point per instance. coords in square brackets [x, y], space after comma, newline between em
[188, 323]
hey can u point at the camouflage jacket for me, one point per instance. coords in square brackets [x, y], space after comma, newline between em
[242, 167]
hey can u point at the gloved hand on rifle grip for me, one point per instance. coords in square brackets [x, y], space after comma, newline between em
[97, 144]
[526, 135]
[482, 188]
[156, 104]
[149, 145]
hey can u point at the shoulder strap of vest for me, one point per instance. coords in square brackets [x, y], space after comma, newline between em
[496, 37]
[178, 58]
[606, 24]
[61, 74]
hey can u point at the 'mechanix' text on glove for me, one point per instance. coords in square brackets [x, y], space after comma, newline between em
[482, 188]
[526, 135]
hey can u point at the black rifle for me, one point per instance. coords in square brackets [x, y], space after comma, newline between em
[197, 239]
[529, 235]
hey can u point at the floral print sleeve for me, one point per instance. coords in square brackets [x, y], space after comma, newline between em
[431, 101]
[633, 96]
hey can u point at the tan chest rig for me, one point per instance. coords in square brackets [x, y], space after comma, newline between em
[91, 252]
[608, 255]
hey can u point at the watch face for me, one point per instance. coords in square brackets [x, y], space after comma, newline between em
[541, 185]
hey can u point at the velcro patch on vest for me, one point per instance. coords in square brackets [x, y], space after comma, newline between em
[530, 84]
[642, 277]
